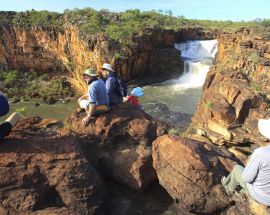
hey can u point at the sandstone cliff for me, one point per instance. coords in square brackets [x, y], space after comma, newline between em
[150, 54]
[236, 90]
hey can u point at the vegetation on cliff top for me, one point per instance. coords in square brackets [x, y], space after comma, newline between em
[120, 26]
[23, 85]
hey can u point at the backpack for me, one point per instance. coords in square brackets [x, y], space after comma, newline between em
[123, 87]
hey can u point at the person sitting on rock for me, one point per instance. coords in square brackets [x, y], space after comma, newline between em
[134, 97]
[96, 101]
[254, 179]
[10, 122]
[112, 84]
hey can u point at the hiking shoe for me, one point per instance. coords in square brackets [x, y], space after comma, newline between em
[223, 180]
[239, 197]
[226, 188]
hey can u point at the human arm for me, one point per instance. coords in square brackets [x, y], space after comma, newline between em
[90, 112]
[252, 168]
[85, 96]
[92, 104]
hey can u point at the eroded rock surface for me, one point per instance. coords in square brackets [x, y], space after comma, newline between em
[40, 170]
[190, 171]
[122, 141]
[236, 91]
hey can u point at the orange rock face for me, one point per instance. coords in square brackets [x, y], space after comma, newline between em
[42, 171]
[236, 91]
[122, 141]
[68, 52]
[190, 171]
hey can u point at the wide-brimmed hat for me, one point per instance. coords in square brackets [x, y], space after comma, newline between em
[137, 91]
[264, 127]
[91, 72]
[108, 67]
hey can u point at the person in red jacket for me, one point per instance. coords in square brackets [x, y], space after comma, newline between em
[135, 94]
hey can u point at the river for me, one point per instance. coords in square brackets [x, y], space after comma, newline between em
[178, 95]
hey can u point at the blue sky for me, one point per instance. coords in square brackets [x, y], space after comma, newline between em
[235, 10]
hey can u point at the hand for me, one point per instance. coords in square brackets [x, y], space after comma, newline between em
[86, 120]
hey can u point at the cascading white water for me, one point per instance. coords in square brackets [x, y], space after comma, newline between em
[198, 56]
[183, 94]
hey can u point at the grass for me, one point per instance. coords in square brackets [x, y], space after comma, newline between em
[209, 105]
[254, 57]
[173, 131]
[21, 111]
[255, 87]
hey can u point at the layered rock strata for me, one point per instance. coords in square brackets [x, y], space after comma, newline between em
[236, 91]
[150, 55]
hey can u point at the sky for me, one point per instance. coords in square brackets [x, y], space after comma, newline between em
[235, 10]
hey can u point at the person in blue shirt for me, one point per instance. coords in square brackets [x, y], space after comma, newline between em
[6, 126]
[96, 101]
[112, 85]
[254, 179]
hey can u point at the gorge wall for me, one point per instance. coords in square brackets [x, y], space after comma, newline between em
[236, 91]
[69, 51]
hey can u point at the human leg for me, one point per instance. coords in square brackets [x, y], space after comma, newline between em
[234, 180]
[6, 126]
[13, 119]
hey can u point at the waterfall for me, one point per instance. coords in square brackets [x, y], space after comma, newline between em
[183, 94]
[198, 56]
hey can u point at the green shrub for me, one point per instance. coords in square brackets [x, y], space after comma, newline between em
[21, 111]
[173, 131]
[254, 57]
[32, 84]
[209, 105]
[255, 87]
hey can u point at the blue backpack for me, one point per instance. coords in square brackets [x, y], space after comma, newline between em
[4, 106]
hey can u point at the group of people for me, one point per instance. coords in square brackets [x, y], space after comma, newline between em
[11, 121]
[105, 90]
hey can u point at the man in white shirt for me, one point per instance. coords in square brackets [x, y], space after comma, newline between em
[254, 179]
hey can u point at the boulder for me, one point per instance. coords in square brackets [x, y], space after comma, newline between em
[122, 140]
[190, 171]
[40, 170]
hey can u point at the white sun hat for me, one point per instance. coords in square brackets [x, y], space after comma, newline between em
[264, 127]
[108, 67]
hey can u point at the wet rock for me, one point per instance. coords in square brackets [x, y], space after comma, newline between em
[122, 140]
[190, 171]
[164, 114]
[50, 173]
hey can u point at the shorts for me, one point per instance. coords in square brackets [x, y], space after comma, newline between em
[100, 109]
[83, 103]
[5, 129]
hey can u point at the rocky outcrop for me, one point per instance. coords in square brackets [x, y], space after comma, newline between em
[122, 140]
[236, 91]
[42, 172]
[190, 171]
